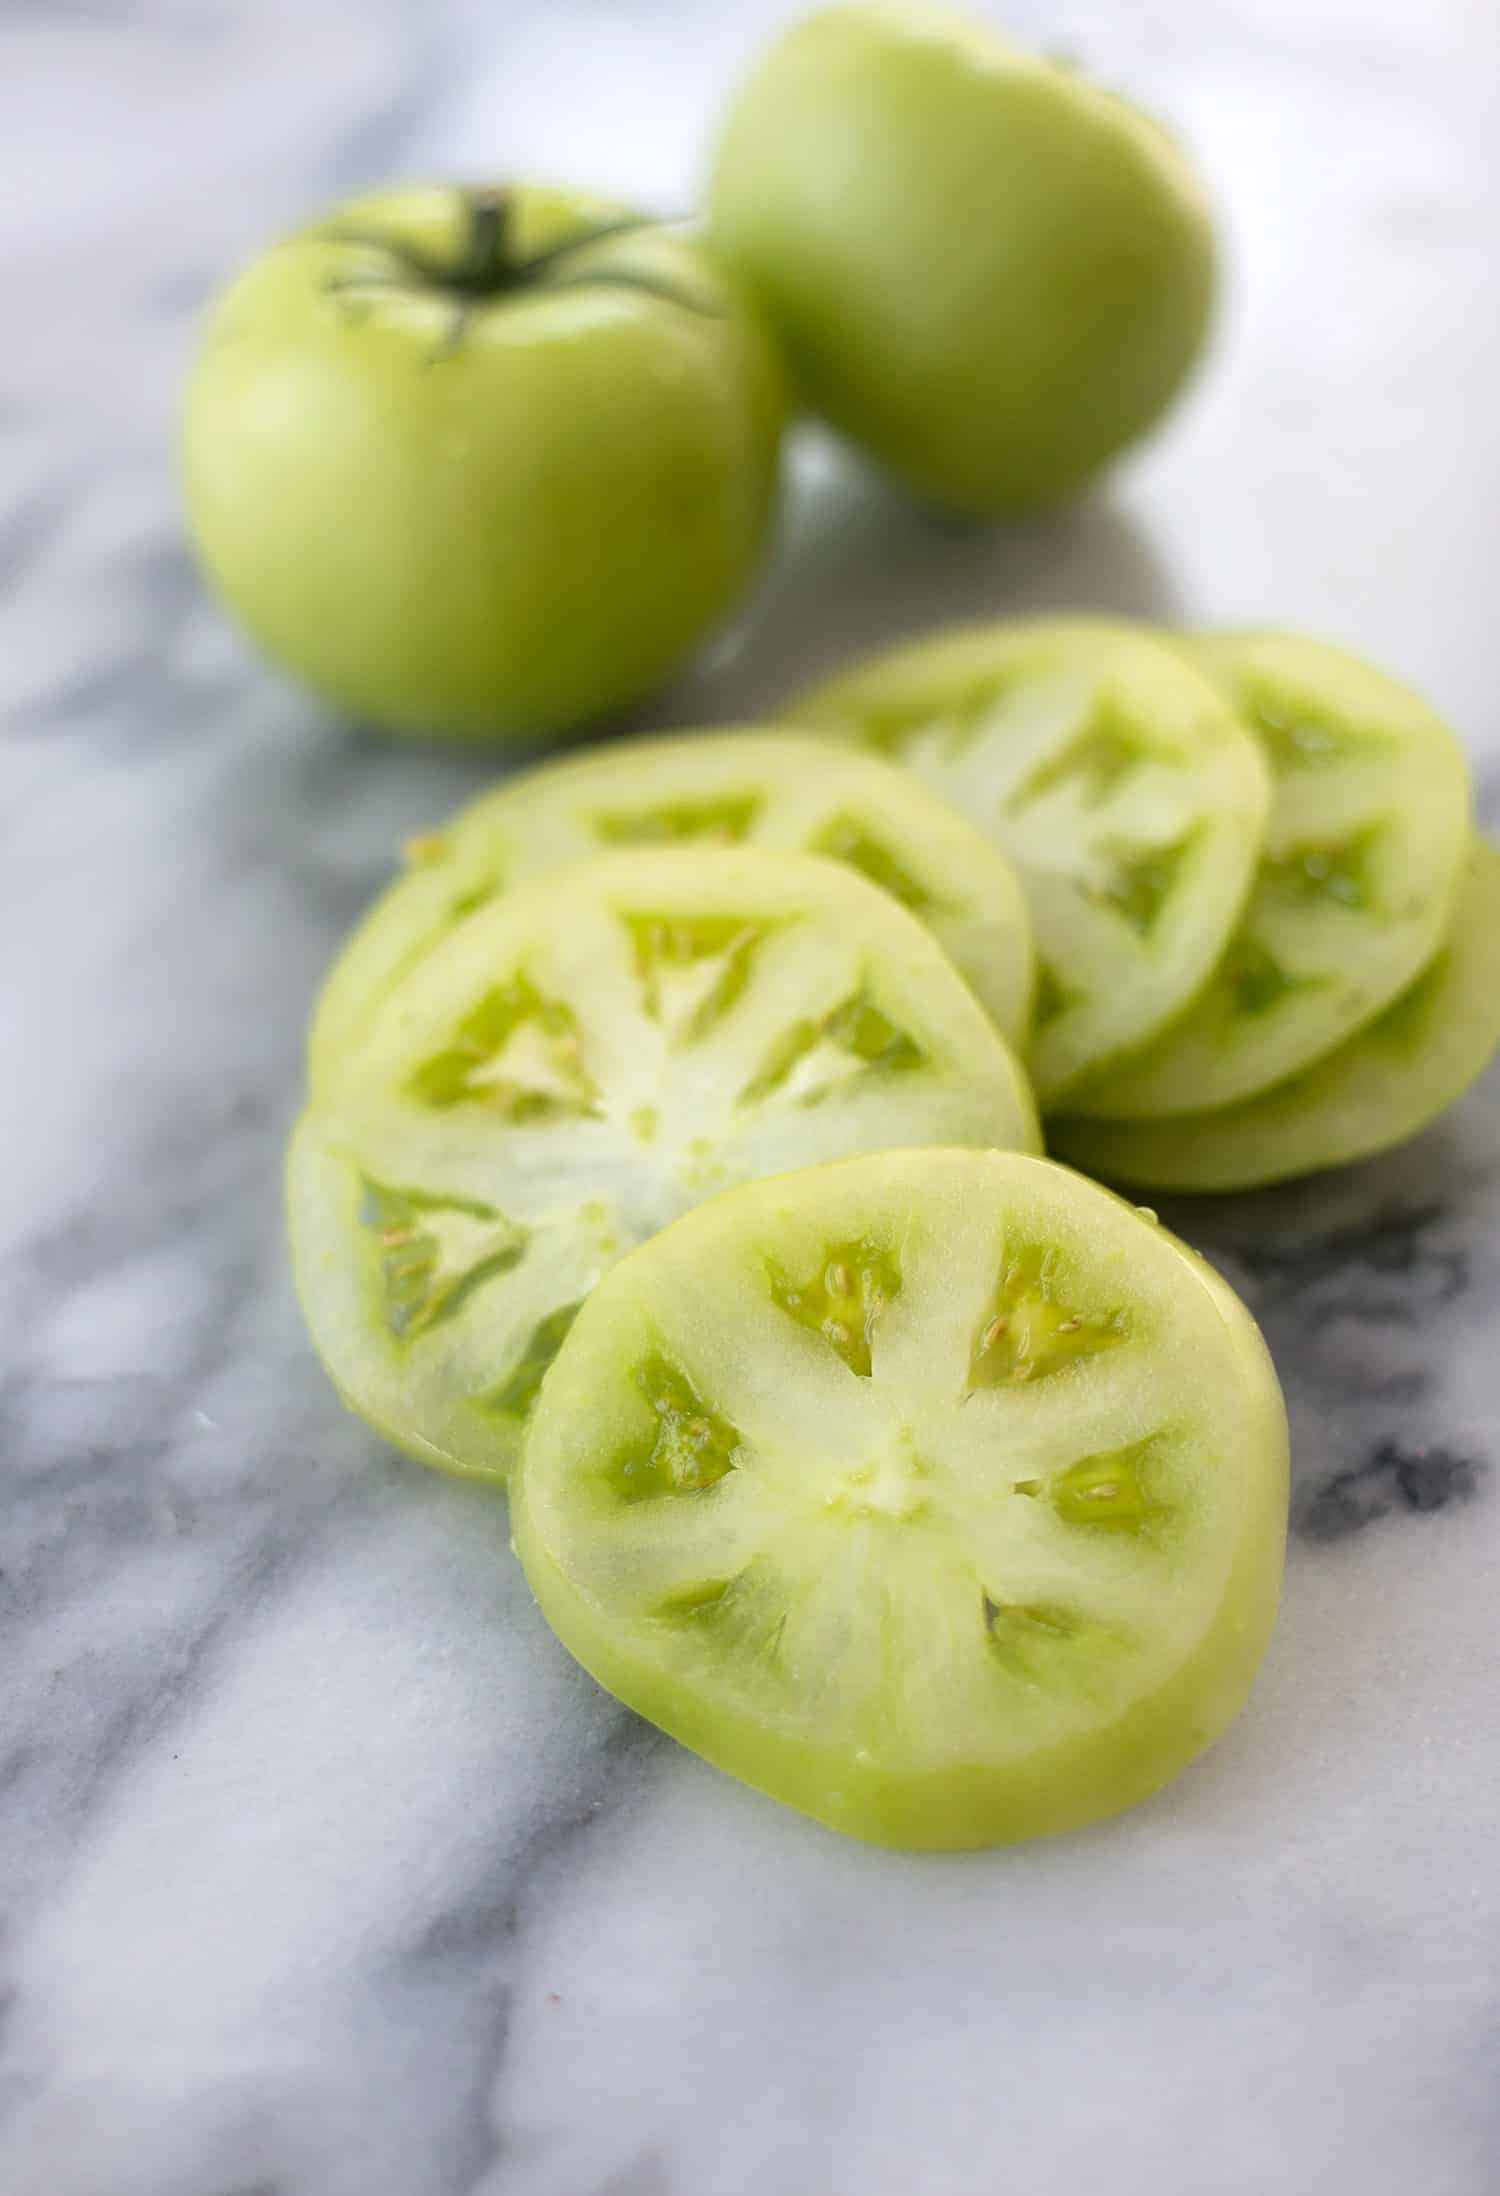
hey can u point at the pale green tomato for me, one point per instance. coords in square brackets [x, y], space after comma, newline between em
[573, 1066]
[703, 789]
[481, 462]
[937, 1493]
[985, 268]
[1380, 1086]
[1122, 785]
[1355, 884]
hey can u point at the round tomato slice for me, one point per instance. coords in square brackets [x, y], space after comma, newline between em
[1376, 1089]
[1118, 779]
[753, 788]
[1356, 885]
[576, 1065]
[937, 1493]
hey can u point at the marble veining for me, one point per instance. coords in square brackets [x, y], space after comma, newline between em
[322, 1871]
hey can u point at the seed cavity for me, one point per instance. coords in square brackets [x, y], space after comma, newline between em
[727, 819]
[890, 731]
[705, 1599]
[516, 1395]
[693, 1447]
[1098, 757]
[1405, 1023]
[845, 839]
[1053, 996]
[1337, 871]
[692, 969]
[1294, 740]
[517, 1052]
[433, 1252]
[1033, 1640]
[1255, 981]
[1031, 1329]
[844, 1299]
[976, 710]
[814, 1057]
[1111, 1488]
[1137, 882]
[958, 719]
[466, 902]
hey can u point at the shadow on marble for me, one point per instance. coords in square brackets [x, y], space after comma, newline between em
[860, 566]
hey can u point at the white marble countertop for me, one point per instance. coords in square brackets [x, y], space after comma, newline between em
[323, 1871]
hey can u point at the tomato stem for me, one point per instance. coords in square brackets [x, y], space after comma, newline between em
[485, 269]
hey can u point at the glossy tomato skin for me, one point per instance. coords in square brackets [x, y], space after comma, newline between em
[481, 514]
[990, 272]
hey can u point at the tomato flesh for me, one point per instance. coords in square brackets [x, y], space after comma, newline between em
[937, 1493]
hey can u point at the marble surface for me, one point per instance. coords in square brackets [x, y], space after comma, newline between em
[324, 1872]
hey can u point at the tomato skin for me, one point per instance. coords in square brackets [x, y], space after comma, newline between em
[990, 272]
[493, 530]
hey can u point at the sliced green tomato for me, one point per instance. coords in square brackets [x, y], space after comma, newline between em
[937, 1493]
[1356, 886]
[576, 1065]
[1382, 1085]
[1120, 782]
[720, 788]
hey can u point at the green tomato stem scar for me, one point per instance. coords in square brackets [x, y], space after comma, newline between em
[487, 267]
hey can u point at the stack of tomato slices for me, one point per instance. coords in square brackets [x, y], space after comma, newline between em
[671, 1149]
[1266, 926]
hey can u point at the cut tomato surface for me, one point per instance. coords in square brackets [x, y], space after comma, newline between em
[1376, 1089]
[938, 1493]
[706, 789]
[577, 1064]
[1355, 888]
[1120, 780]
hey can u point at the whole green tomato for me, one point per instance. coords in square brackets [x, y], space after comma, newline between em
[483, 462]
[989, 271]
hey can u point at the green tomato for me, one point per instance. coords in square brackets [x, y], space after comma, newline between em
[1120, 782]
[1355, 884]
[937, 1493]
[767, 789]
[1380, 1086]
[482, 462]
[988, 270]
[573, 1066]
